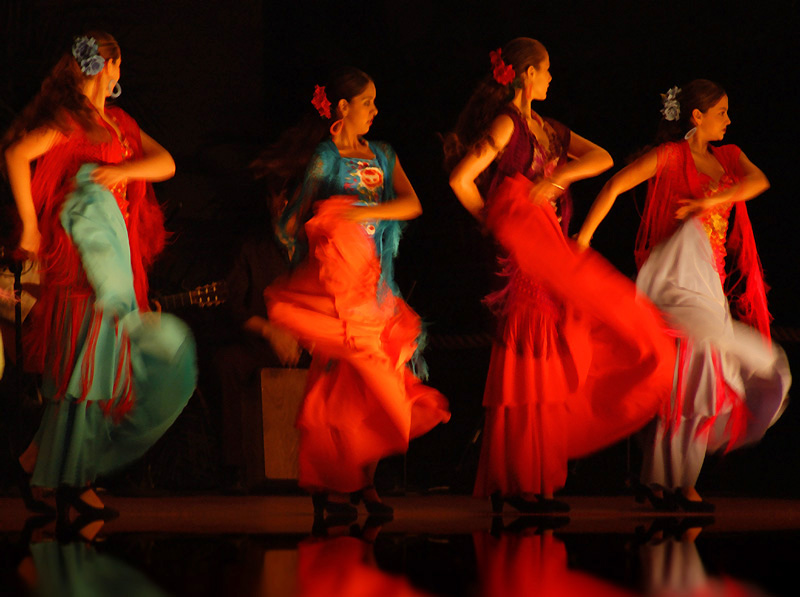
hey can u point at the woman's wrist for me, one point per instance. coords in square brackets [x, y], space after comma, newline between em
[29, 222]
[558, 180]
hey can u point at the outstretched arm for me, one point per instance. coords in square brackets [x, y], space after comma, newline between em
[405, 205]
[752, 184]
[18, 164]
[462, 179]
[624, 180]
[156, 164]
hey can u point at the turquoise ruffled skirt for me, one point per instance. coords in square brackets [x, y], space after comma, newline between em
[134, 371]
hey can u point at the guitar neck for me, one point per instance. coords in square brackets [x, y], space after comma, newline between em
[209, 295]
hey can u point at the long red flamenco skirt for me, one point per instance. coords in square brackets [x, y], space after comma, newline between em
[582, 360]
[362, 403]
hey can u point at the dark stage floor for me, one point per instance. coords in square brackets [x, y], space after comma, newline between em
[436, 545]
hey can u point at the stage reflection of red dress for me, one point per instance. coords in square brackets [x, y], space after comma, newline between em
[580, 360]
[343, 567]
[533, 564]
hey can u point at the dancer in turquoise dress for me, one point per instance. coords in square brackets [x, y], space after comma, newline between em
[114, 377]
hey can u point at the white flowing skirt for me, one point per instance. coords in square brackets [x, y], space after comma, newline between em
[720, 353]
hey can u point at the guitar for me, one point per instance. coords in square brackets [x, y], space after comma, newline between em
[208, 295]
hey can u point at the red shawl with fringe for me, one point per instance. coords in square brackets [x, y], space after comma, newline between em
[677, 178]
[63, 278]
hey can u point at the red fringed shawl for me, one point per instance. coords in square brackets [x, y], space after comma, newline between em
[63, 278]
[677, 178]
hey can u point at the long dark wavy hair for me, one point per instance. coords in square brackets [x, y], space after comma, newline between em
[472, 127]
[283, 163]
[60, 102]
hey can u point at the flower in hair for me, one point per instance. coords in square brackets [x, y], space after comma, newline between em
[672, 107]
[86, 53]
[503, 73]
[320, 101]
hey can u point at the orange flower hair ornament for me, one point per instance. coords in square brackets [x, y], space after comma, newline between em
[321, 102]
[503, 73]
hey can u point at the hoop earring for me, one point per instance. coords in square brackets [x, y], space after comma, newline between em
[336, 127]
[690, 133]
[116, 91]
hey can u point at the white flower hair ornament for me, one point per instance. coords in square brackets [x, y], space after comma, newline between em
[672, 107]
[87, 55]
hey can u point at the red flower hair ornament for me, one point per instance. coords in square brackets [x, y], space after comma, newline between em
[320, 101]
[503, 73]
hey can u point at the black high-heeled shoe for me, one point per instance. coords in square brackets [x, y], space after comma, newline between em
[341, 510]
[22, 479]
[539, 523]
[72, 532]
[660, 530]
[553, 505]
[662, 503]
[540, 506]
[374, 507]
[688, 505]
[70, 497]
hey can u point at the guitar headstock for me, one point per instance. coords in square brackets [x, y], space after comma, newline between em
[209, 295]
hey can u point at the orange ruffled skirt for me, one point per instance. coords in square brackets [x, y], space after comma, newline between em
[362, 402]
[581, 361]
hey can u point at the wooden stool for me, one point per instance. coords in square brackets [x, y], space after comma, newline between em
[281, 394]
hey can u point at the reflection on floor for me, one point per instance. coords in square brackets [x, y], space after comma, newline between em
[436, 545]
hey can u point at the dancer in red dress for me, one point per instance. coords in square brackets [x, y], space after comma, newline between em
[363, 401]
[579, 361]
[731, 380]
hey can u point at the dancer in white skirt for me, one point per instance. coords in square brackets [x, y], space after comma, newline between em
[731, 381]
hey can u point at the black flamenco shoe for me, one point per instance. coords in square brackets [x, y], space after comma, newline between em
[679, 530]
[22, 479]
[340, 510]
[659, 531]
[375, 522]
[70, 497]
[72, 532]
[540, 506]
[663, 503]
[687, 505]
[538, 523]
[332, 526]
[497, 501]
[374, 507]
[553, 505]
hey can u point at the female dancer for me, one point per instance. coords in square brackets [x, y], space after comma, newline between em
[731, 381]
[362, 401]
[113, 379]
[554, 391]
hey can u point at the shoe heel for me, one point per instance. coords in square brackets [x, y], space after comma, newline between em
[23, 482]
[497, 502]
[318, 500]
[70, 497]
